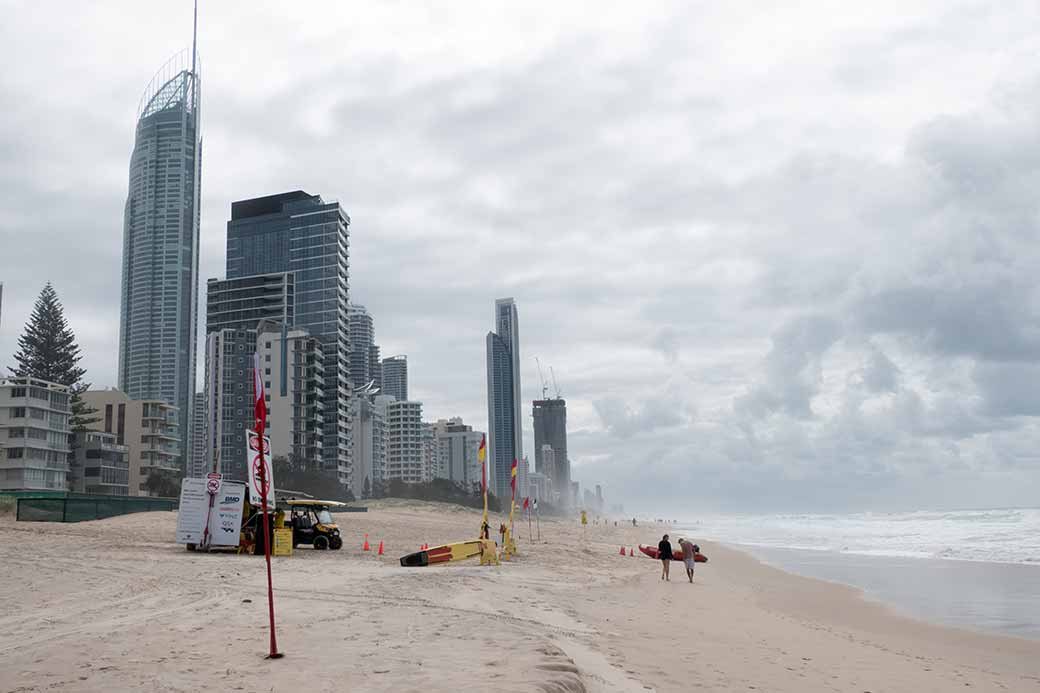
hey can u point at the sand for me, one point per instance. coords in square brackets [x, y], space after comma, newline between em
[114, 605]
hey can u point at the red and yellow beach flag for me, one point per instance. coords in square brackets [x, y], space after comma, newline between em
[482, 456]
[512, 503]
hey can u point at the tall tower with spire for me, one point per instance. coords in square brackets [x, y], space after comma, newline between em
[505, 423]
[160, 278]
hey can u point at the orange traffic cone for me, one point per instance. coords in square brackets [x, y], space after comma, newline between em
[365, 546]
[380, 547]
[622, 552]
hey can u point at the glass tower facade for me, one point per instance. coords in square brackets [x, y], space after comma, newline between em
[158, 307]
[303, 234]
[503, 386]
[395, 377]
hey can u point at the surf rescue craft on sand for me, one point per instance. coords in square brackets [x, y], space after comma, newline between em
[651, 551]
[459, 551]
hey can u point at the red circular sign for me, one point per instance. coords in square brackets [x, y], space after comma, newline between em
[256, 477]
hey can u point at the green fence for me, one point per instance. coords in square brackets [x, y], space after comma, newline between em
[35, 506]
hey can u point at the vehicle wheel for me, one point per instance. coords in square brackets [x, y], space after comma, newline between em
[335, 542]
[190, 547]
[321, 542]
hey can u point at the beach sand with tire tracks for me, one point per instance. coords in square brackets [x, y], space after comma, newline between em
[115, 605]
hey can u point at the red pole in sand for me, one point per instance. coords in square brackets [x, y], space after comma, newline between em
[275, 654]
[260, 412]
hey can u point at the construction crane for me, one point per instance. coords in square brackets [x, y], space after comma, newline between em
[545, 388]
[555, 386]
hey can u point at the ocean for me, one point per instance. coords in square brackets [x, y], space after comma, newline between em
[975, 569]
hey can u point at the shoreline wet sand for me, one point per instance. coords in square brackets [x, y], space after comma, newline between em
[116, 605]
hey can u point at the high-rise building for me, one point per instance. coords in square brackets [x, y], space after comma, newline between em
[242, 302]
[395, 377]
[362, 336]
[197, 466]
[457, 452]
[235, 308]
[302, 233]
[503, 386]
[160, 277]
[599, 498]
[229, 400]
[369, 440]
[404, 447]
[375, 367]
[294, 378]
[546, 462]
[539, 487]
[429, 451]
[34, 435]
[99, 465]
[550, 429]
[148, 428]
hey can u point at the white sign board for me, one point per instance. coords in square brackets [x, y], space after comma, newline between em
[253, 458]
[225, 518]
[191, 516]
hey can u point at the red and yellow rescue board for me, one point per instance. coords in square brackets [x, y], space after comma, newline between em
[459, 551]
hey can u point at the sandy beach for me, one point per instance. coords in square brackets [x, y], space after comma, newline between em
[115, 605]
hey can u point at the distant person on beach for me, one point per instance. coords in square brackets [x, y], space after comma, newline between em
[664, 553]
[633, 522]
[689, 554]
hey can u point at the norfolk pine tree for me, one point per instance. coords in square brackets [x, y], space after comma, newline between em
[47, 350]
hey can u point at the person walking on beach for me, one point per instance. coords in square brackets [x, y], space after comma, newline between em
[689, 554]
[664, 553]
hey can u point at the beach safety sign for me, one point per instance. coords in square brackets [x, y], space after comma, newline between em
[225, 517]
[253, 456]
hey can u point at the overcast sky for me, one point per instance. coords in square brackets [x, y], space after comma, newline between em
[780, 258]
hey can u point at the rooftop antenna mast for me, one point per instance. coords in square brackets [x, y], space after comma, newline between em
[194, 40]
[545, 388]
[555, 386]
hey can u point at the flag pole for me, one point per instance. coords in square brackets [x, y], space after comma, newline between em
[485, 528]
[260, 410]
[512, 501]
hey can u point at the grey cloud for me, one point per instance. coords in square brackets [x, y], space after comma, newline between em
[792, 368]
[1009, 389]
[625, 421]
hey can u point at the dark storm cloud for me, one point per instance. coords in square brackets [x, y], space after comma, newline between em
[769, 270]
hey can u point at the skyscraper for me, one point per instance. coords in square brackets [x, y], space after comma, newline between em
[159, 294]
[234, 310]
[404, 442]
[362, 338]
[302, 233]
[503, 385]
[294, 378]
[197, 466]
[550, 430]
[395, 377]
[241, 303]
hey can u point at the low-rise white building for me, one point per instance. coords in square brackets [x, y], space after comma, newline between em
[34, 435]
